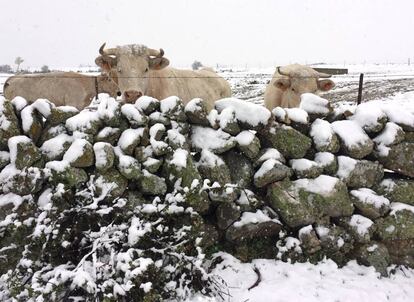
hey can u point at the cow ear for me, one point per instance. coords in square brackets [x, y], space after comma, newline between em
[325, 85]
[106, 63]
[282, 84]
[158, 63]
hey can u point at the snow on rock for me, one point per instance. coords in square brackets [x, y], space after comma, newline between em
[323, 184]
[350, 133]
[270, 153]
[209, 159]
[369, 116]
[302, 164]
[253, 218]
[399, 206]
[249, 113]
[361, 224]
[368, 196]
[216, 141]
[76, 150]
[245, 138]
[324, 158]
[83, 121]
[297, 115]
[389, 135]
[321, 132]
[266, 167]
[179, 158]
[345, 166]
[44, 107]
[130, 137]
[314, 104]
[399, 115]
[19, 103]
[14, 142]
[55, 146]
[144, 102]
[133, 114]
[11, 198]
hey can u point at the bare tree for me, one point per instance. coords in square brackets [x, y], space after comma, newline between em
[45, 69]
[196, 65]
[6, 69]
[18, 62]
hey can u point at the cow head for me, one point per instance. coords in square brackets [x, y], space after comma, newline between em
[297, 79]
[131, 65]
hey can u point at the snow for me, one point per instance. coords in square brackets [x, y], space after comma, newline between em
[76, 150]
[168, 104]
[253, 218]
[4, 156]
[210, 139]
[398, 114]
[82, 121]
[27, 118]
[156, 128]
[321, 132]
[282, 281]
[302, 164]
[13, 142]
[279, 113]
[368, 196]
[179, 158]
[57, 165]
[144, 101]
[323, 184]
[132, 113]
[129, 136]
[297, 115]
[107, 131]
[193, 105]
[368, 114]
[312, 103]
[271, 153]
[266, 167]
[246, 112]
[176, 137]
[227, 115]
[388, 135]
[55, 146]
[100, 154]
[19, 103]
[345, 166]
[324, 158]
[350, 132]
[399, 206]
[305, 231]
[245, 138]
[11, 198]
[361, 224]
[43, 106]
[209, 159]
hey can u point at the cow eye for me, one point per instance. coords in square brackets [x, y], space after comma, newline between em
[293, 89]
[146, 69]
[119, 70]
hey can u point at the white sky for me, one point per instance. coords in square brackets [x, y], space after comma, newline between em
[260, 33]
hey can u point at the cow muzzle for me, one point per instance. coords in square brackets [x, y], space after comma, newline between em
[132, 95]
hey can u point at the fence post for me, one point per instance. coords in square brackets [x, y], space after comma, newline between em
[361, 81]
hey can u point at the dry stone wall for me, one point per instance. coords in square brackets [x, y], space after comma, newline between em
[300, 184]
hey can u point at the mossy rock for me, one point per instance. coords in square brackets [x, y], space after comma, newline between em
[9, 124]
[111, 182]
[400, 159]
[60, 114]
[108, 135]
[151, 184]
[397, 190]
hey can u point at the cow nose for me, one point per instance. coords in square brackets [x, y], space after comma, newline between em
[132, 95]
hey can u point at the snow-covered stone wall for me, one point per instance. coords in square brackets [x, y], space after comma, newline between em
[104, 201]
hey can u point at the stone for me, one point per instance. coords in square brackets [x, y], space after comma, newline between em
[250, 231]
[293, 211]
[400, 159]
[62, 172]
[104, 156]
[23, 153]
[225, 194]
[173, 108]
[134, 116]
[111, 183]
[271, 171]
[241, 169]
[158, 117]
[359, 173]
[226, 214]
[152, 165]
[248, 144]
[32, 123]
[198, 199]
[214, 168]
[151, 184]
[181, 167]
[359, 227]
[324, 138]
[108, 135]
[4, 159]
[397, 190]
[228, 122]
[147, 104]
[129, 167]
[374, 254]
[309, 240]
[398, 225]
[327, 161]
[305, 168]
[60, 114]
[197, 111]
[29, 180]
[80, 154]
[130, 138]
[9, 124]
[290, 142]
[216, 141]
[369, 203]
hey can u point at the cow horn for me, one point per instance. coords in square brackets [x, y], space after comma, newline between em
[107, 52]
[156, 53]
[281, 72]
[324, 75]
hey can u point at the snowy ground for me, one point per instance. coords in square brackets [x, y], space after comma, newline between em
[282, 281]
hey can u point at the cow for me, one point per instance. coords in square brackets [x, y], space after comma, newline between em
[61, 88]
[289, 82]
[144, 71]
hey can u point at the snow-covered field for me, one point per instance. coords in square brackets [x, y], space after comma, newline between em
[282, 281]
[323, 282]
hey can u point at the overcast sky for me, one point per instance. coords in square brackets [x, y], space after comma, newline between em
[235, 32]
